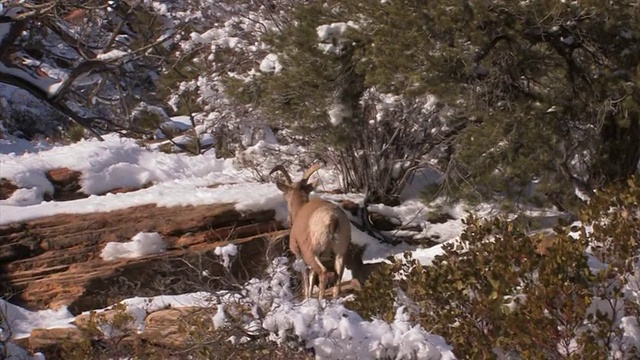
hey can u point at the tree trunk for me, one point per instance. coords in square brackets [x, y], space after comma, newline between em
[619, 153]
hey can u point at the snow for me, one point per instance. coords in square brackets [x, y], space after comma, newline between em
[270, 64]
[180, 123]
[338, 112]
[426, 256]
[112, 55]
[327, 32]
[42, 83]
[328, 327]
[54, 88]
[219, 318]
[226, 252]
[630, 330]
[332, 330]
[217, 37]
[568, 40]
[174, 125]
[22, 321]
[247, 196]
[155, 303]
[338, 333]
[139, 307]
[179, 179]
[142, 244]
[11, 144]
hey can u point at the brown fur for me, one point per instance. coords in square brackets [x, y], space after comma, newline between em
[318, 228]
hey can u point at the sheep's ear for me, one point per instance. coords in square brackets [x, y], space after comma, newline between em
[282, 186]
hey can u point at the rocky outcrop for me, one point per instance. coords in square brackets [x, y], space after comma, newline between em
[164, 329]
[7, 188]
[50, 342]
[56, 260]
[66, 186]
[64, 179]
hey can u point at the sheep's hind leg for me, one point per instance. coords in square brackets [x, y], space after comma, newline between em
[339, 266]
[310, 279]
[305, 283]
[322, 274]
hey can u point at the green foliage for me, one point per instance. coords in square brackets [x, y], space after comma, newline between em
[495, 291]
[543, 89]
[300, 95]
[184, 69]
[75, 132]
[320, 96]
[145, 120]
[502, 66]
[107, 336]
[376, 300]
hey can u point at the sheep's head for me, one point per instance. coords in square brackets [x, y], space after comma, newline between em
[296, 193]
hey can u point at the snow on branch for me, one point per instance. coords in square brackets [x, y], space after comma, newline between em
[93, 74]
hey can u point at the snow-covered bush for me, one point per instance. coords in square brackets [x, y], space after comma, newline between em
[220, 39]
[318, 91]
[506, 297]
[88, 62]
[262, 318]
[265, 316]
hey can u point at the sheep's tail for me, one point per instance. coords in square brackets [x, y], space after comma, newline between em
[334, 224]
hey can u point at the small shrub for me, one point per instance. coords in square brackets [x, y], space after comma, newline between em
[166, 148]
[147, 119]
[234, 339]
[75, 132]
[107, 337]
[377, 297]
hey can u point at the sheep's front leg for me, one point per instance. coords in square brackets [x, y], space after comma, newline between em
[311, 278]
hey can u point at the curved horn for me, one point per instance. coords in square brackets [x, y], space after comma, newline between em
[310, 171]
[283, 171]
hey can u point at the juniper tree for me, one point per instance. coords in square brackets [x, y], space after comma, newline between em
[547, 89]
[319, 94]
[541, 90]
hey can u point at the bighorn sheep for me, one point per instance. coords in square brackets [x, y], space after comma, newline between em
[318, 228]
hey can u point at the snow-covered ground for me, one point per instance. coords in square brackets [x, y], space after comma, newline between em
[180, 179]
[334, 331]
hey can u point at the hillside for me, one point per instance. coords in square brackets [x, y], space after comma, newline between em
[486, 155]
[104, 192]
